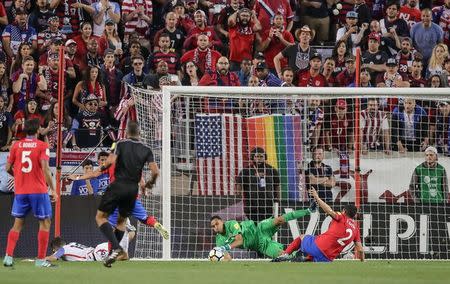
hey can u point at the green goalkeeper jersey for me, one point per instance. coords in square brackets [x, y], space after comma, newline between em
[233, 228]
[431, 182]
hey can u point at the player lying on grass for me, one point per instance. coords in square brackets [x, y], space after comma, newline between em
[325, 247]
[257, 237]
[77, 252]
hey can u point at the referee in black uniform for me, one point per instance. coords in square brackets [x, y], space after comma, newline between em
[130, 156]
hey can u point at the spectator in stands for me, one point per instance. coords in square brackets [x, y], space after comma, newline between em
[126, 64]
[287, 76]
[112, 39]
[51, 33]
[415, 78]
[364, 79]
[259, 185]
[364, 13]
[50, 125]
[243, 28]
[410, 13]
[138, 17]
[23, 51]
[176, 35]
[200, 28]
[164, 53]
[87, 126]
[392, 78]
[392, 25]
[6, 123]
[245, 72]
[438, 56]
[429, 182]
[298, 55]
[30, 112]
[328, 68]
[103, 11]
[436, 81]
[16, 33]
[340, 53]
[267, 9]
[267, 78]
[446, 73]
[312, 76]
[409, 126]
[274, 41]
[161, 77]
[347, 76]
[12, 10]
[222, 21]
[339, 128]
[40, 15]
[5, 88]
[85, 186]
[375, 131]
[439, 128]
[25, 83]
[320, 176]
[317, 18]
[203, 56]
[351, 34]
[72, 17]
[112, 78]
[50, 73]
[185, 17]
[405, 56]
[425, 35]
[441, 16]
[374, 59]
[316, 132]
[90, 85]
[191, 75]
[82, 41]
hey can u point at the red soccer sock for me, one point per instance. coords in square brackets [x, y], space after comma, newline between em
[151, 220]
[43, 237]
[295, 245]
[13, 236]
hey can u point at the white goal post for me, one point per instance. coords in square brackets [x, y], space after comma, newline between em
[190, 192]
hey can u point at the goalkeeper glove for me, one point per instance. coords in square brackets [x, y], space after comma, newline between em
[225, 248]
[162, 231]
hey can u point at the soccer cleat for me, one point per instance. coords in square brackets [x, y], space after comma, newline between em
[112, 257]
[43, 263]
[8, 261]
[282, 258]
[312, 206]
[162, 231]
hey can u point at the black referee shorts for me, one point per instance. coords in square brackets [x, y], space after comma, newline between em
[120, 195]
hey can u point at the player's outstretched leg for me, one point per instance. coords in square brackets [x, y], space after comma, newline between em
[43, 263]
[8, 261]
[112, 257]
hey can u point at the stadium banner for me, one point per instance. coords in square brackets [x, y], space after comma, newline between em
[387, 231]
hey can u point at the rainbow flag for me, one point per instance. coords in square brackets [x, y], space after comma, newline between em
[281, 138]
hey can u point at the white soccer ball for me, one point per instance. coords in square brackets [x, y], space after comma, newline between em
[216, 255]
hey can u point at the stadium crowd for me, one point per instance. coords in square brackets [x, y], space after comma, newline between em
[110, 44]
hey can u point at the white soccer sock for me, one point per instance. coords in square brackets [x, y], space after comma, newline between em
[124, 242]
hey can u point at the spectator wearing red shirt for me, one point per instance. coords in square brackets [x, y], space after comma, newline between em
[415, 78]
[203, 56]
[82, 41]
[176, 35]
[242, 29]
[267, 9]
[164, 53]
[405, 56]
[50, 73]
[201, 28]
[347, 76]
[3, 17]
[275, 41]
[29, 112]
[221, 24]
[328, 68]
[312, 76]
[410, 13]
[340, 53]
[338, 128]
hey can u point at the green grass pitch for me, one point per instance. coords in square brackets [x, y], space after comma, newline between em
[188, 272]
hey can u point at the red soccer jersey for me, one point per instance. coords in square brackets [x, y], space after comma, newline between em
[110, 172]
[25, 157]
[342, 231]
[241, 43]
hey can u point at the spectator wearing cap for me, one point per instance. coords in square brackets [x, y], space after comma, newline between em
[221, 77]
[200, 28]
[317, 18]
[203, 56]
[425, 35]
[373, 58]
[298, 55]
[111, 39]
[441, 15]
[275, 41]
[18, 32]
[350, 32]
[409, 126]
[25, 83]
[429, 182]
[267, 9]
[138, 17]
[415, 78]
[312, 77]
[51, 33]
[176, 35]
[221, 24]
[90, 85]
[392, 78]
[405, 56]
[266, 78]
[259, 57]
[30, 111]
[164, 53]
[338, 128]
[103, 11]
[243, 28]
[71, 18]
[40, 15]
[347, 76]
[436, 63]
[410, 13]
[245, 72]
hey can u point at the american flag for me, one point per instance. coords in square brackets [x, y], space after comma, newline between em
[219, 152]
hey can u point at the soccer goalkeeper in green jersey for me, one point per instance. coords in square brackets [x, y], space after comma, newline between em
[257, 237]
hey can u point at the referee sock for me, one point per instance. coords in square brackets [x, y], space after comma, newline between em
[43, 237]
[295, 214]
[295, 245]
[13, 236]
[150, 221]
[108, 232]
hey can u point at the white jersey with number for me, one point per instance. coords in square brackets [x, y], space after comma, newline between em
[78, 252]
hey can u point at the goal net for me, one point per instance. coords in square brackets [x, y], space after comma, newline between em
[252, 153]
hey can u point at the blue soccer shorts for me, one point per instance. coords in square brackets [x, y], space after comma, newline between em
[138, 212]
[39, 203]
[309, 247]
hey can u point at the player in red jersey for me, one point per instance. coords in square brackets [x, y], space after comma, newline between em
[325, 247]
[28, 163]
